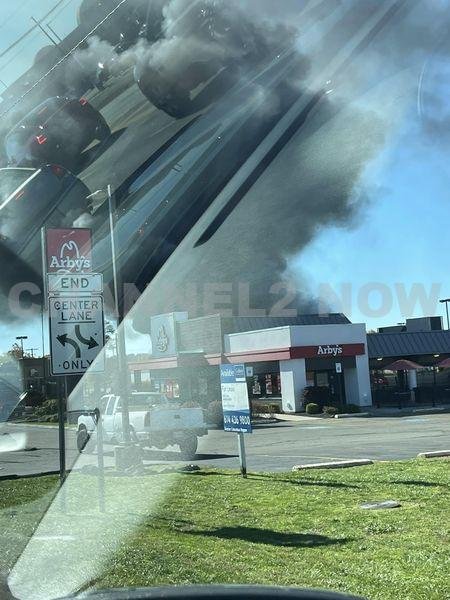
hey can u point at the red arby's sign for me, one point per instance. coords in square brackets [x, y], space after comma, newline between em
[68, 250]
[327, 351]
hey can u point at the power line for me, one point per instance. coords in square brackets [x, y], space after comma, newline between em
[56, 15]
[24, 35]
[86, 37]
[19, 52]
[12, 14]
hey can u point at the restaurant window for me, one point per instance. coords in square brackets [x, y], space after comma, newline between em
[265, 385]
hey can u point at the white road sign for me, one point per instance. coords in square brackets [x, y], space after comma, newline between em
[74, 283]
[76, 334]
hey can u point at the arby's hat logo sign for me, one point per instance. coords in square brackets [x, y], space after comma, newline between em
[69, 250]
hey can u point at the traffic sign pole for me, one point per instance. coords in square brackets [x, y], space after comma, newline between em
[62, 441]
[120, 334]
[242, 455]
[100, 460]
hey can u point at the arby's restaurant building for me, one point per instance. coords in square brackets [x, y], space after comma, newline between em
[282, 357]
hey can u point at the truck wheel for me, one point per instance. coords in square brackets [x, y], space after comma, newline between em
[133, 436]
[165, 95]
[188, 446]
[83, 439]
[102, 130]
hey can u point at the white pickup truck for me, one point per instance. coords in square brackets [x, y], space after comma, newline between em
[154, 422]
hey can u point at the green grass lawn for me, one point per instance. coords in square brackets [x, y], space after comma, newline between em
[302, 529]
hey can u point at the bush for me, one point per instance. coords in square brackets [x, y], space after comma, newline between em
[48, 408]
[312, 408]
[264, 408]
[330, 410]
[316, 394]
[352, 408]
[190, 404]
[214, 413]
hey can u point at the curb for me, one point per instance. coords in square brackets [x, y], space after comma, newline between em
[258, 422]
[294, 417]
[351, 415]
[13, 476]
[410, 411]
[341, 464]
[39, 425]
[435, 454]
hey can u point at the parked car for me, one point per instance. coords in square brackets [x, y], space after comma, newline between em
[56, 131]
[30, 198]
[154, 421]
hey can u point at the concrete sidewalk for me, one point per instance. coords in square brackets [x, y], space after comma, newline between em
[372, 411]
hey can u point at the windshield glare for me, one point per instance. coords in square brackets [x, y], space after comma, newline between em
[224, 321]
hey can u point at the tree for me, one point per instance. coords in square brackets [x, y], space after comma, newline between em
[15, 352]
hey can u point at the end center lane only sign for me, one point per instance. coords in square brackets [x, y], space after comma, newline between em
[76, 334]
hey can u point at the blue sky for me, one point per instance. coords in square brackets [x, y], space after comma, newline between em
[398, 250]
[15, 19]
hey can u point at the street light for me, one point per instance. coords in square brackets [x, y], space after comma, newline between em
[446, 301]
[21, 338]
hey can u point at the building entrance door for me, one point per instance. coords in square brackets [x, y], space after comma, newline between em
[334, 382]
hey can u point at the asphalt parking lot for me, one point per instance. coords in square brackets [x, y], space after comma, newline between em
[138, 131]
[272, 447]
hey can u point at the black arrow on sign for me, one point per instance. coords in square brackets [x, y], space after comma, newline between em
[91, 343]
[63, 340]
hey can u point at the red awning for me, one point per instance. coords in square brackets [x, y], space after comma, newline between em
[403, 365]
[444, 364]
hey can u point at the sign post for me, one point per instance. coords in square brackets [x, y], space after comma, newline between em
[75, 307]
[236, 408]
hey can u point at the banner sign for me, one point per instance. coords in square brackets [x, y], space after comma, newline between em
[235, 404]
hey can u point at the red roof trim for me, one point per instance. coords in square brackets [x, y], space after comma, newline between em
[326, 351]
[320, 351]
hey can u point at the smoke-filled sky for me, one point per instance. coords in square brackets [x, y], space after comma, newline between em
[399, 187]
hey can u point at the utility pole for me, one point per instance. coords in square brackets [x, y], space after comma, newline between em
[446, 301]
[44, 32]
[54, 32]
[120, 331]
[21, 338]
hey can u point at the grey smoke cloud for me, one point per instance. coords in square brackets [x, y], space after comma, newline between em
[313, 184]
[318, 179]
[192, 32]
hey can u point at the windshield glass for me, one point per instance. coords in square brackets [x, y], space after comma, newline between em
[143, 401]
[10, 181]
[224, 310]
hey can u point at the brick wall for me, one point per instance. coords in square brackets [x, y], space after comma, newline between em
[204, 334]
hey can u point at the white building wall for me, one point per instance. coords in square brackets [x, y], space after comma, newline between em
[293, 381]
[292, 372]
[364, 389]
[264, 339]
[351, 386]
